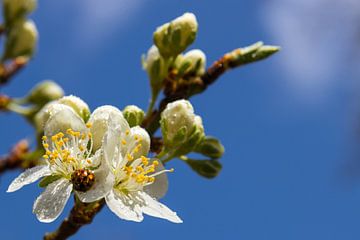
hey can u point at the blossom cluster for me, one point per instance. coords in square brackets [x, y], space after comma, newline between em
[96, 157]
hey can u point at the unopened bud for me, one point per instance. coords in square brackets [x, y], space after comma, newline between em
[133, 115]
[181, 128]
[174, 37]
[45, 92]
[156, 68]
[210, 147]
[192, 63]
[78, 105]
[21, 41]
[17, 9]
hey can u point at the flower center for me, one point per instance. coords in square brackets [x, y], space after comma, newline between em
[65, 154]
[82, 179]
[139, 174]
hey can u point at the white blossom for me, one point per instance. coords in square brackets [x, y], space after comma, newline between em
[138, 180]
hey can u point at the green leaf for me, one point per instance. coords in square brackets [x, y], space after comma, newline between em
[49, 179]
[206, 168]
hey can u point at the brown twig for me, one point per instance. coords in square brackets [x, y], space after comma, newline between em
[7, 71]
[186, 88]
[16, 157]
[4, 101]
[81, 214]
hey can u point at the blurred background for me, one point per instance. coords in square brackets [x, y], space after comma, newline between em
[290, 123]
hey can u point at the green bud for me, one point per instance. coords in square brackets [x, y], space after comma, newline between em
[182, 130]
[174, 37]
[156, 68]
[78, 105]
[206, 168]
[192, 63]
[133, 115]
[21, 40]
[45, 92]
[17, 9]
[210, 147]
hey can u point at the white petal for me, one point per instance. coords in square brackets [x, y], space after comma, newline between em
[104, 182]
[157, 209]
[110, 146]
[159, 188]
[124, 207]
[100, 122]
[49, 205]
[29, 176]
[62, 120]
[145, 141]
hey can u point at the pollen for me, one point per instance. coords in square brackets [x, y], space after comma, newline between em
[129, 157]
[67, 154]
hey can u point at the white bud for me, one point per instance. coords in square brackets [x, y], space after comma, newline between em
[17, 9]
[21, 40]
[182, 130]
[174, 37]
[78, 105]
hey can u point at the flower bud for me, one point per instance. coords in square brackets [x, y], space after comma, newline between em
[133, 115]
[45, 92]
[181, 128]
[21, 40]
[17, 9]
[156, 68]
[192, 63]
[78, 105]
[174, 37]
[210, 147]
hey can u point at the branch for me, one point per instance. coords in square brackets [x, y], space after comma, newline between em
[8, 71]
[184, 89]
[4, 102]
[16, 157]
[81, 214]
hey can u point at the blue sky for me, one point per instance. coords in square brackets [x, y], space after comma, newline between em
[288, 123]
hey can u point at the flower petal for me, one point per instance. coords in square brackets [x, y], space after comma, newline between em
[144, 139]
[49, 205]
[62, 120]
[158, 188]
[100, 121]
[29, 176]
[156, 209]
[104, 182]
[110, 146]
[124, 207]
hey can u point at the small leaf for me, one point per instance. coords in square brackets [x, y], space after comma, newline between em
[47, 180]
[205, 168]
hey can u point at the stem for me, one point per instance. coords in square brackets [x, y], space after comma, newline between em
[81, 214]
[16, 108]
[154, 96]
